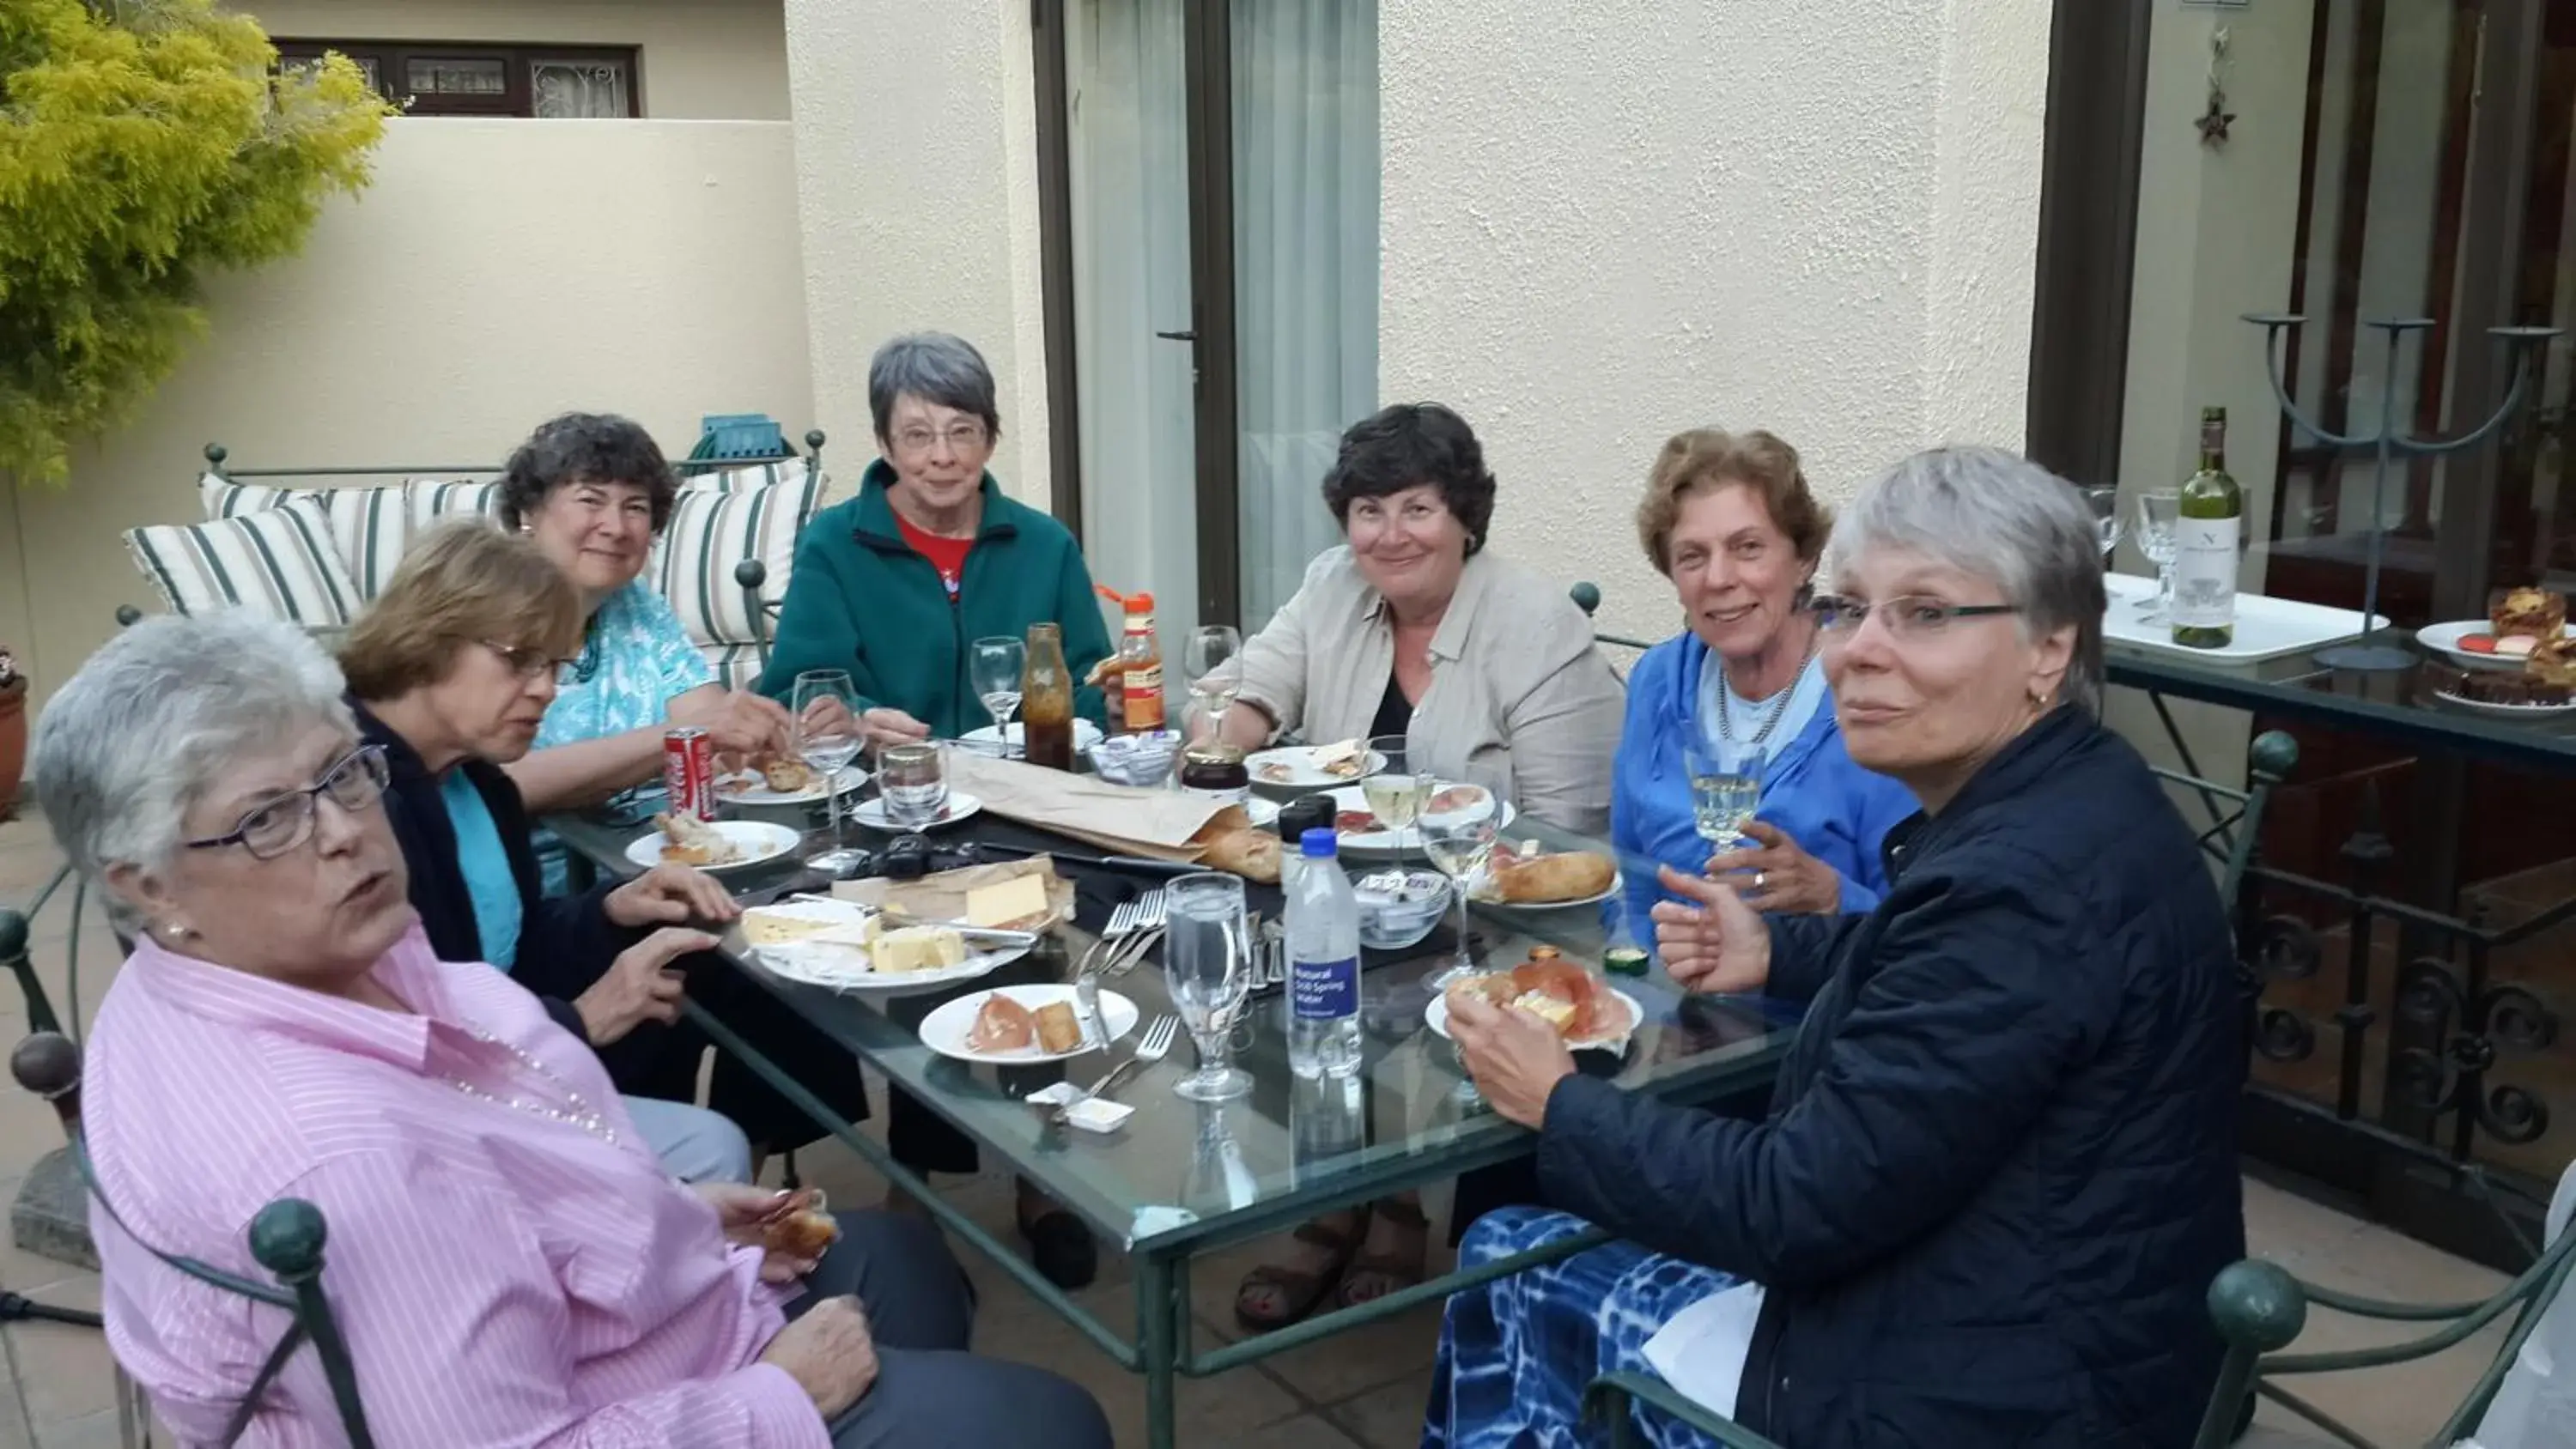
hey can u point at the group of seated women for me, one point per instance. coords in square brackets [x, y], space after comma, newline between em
[1994, 1182]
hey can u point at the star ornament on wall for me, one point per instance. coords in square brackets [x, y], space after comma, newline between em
[2213, 122]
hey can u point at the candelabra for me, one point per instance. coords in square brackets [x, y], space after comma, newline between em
[2369, 652]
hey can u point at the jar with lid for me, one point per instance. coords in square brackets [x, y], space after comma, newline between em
[1216, 771]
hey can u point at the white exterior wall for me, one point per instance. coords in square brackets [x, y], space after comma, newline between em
[1609, 222]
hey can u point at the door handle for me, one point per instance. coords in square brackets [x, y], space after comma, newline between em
[1178, 336]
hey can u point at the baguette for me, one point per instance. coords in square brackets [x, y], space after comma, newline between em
[1252, 854]
[1533, 879]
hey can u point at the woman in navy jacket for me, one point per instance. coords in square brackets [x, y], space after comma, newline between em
[1999, 1171]
[1729, 519]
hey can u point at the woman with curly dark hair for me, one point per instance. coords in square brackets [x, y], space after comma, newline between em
[592, 491]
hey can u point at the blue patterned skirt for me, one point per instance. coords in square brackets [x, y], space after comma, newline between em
[1516, 1354]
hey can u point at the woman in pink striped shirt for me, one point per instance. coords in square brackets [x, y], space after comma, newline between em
[508, 1261]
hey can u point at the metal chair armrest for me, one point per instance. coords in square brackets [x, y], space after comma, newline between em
[1613, 1393]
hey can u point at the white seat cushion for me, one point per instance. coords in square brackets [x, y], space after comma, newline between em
[710, 532]
[279, 562]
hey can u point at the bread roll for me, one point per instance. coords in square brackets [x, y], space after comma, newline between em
[1252, 854]
[1535, 878]
[1057, 1029]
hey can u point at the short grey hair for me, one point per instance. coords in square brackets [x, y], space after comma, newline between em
[936, 368]
[2002, 518]
[154, 719]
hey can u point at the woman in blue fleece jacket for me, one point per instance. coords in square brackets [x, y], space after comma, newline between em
[1729, 519]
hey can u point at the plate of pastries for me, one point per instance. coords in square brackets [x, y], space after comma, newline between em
[2520, 665]
[782, 780]
[717, 846]
[1018, 1025]
[1588, 1013]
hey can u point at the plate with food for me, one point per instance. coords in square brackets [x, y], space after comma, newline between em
[872, 813]
[1018, 1025]
[1359, 830]
[724, 845]
[2521, 622]
[799, 1224]
[1535, 879]
[1589, 1014]
[1313, 767]
[851, 947]
[784, 782]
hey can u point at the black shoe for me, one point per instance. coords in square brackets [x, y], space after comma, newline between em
[1062, 1249]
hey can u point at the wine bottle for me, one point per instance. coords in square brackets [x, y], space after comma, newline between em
[2212, 516]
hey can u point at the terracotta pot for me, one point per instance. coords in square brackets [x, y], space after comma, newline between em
[13, 743]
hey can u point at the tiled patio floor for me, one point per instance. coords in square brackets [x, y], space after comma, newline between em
[1365, 1389]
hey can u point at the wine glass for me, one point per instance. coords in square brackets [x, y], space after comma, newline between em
[2104, 500]
[1458, 824]
[1207, 969]
[914, 783]
[1212, 693]
[993, 666]
[2159, 510]
[1395, 793]
[1725, 785]
[827, 739]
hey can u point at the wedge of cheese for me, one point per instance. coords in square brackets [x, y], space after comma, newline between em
[1022, 897]
[777, 928]
[907, 949]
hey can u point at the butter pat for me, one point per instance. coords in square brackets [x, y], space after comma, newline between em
[1019, 898]
[918, 948]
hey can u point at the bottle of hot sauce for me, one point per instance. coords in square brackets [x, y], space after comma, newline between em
[1046, 699]
[1140, 664]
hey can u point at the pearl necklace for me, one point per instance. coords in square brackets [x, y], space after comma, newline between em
[576, 1112]
[1770, 716]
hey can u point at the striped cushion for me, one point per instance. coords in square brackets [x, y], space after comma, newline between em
[709, 533]
[278, 562]
[434, 499]
[752, 475]
[225, 498]
[737, 666]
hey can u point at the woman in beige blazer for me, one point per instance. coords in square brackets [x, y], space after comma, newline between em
[1412, 629]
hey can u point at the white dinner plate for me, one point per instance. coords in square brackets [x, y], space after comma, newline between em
[2444, 639]
[1292, 767]
[1387, 842]
[944, 1031]
[747, 788]
[1483, 880]
[872, 813]
[846, 968]
[2506, 711]
[1436, 1016]
[758, 841]
[1085, 735]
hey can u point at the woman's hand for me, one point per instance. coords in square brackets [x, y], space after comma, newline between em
[887, 726]
[830, 1354]
[1710, 940]
[739, 722]
[1784, 877]
[744, 1212]
[670, 895]
[639, 986]
[1516, 1058]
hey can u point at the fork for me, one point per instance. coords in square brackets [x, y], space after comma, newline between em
[1132, 952]
[1113, 955]
[1151, 1048]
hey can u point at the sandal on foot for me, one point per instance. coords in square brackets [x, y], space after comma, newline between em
[1374, 1275]
[1299, 1292]
[1062, 1249]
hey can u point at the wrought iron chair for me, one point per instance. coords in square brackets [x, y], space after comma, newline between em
[286, 1238]
[2236, 819]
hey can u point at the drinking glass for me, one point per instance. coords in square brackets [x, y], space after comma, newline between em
[2158, 511]
[1726, 786]
[1207, 969]
[2105, 503]
[914, 782]
[993, 666]
[827, 739]
[1211, 645]
[1395, 794]
[1458, 826]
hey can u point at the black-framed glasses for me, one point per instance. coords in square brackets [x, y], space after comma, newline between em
[271, 828]
[528, 661]
[1907, 616]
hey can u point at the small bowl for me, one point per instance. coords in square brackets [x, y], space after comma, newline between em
[1143, 760]
[1399, 907]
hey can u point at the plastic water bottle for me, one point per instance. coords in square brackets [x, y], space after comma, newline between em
[1323, 964]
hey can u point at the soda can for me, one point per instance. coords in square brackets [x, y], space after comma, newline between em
[689, 771]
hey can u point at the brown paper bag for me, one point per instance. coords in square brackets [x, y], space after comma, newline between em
[941, 896]
[1120, 818]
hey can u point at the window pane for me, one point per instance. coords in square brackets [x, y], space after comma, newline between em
[452, 76]
[571, 89]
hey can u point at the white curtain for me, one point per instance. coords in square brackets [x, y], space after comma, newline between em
[1306, 270]
[1131, 261]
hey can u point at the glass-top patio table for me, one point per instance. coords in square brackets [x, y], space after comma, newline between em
[1182, 1179]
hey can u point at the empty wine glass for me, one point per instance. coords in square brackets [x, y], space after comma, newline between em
[1212, 693]
[914, 783]
[1458, 824]
[828, 738]
[2159, 510]
[1207, 970]
[2104, 500]
[993, 666]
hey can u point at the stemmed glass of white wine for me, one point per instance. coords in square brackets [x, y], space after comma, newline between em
[1725, 786]
[1459, 824]
[1396, 792]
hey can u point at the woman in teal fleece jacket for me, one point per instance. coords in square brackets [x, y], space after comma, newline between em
[894, 584]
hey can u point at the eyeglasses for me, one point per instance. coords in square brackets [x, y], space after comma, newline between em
[1907, 616]
[960, 437]
[275, 826]
[528, 661]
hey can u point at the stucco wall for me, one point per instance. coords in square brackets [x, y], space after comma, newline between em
[916, 160]
[1608, 222]
[460, 301]
[702, 59]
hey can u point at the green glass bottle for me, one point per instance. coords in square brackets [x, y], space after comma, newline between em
[2212, 518]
